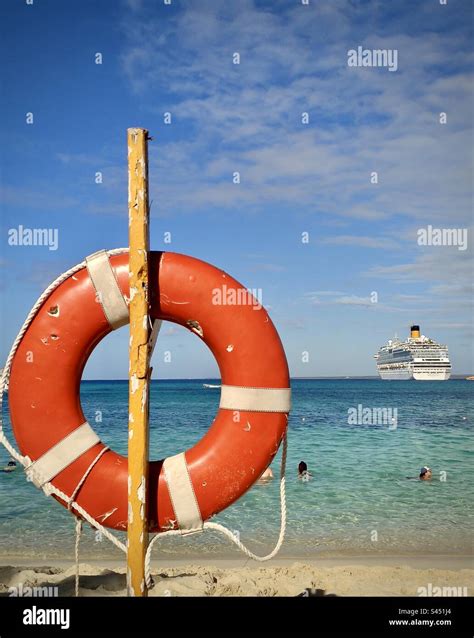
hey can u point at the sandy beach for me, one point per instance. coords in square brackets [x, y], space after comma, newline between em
[348, 576]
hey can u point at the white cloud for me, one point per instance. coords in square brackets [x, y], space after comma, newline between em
[435, 264]
[353, 300]
[331, 297]
[247, 118]
[364, 242]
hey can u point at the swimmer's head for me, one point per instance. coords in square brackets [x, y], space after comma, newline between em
[302, 467]
[425, 473]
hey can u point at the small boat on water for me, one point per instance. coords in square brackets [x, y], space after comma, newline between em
[210, 385]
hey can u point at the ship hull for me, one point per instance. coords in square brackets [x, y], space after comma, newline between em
[404, 374]
[396, 375]
[442, 375]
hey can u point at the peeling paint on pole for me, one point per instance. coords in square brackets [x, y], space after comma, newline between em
[139, 360]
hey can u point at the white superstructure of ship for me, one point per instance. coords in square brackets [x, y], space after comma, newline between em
[418, 357]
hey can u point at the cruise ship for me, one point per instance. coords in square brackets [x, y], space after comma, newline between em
[417, 358]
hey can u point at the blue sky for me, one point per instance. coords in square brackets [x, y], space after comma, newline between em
[295, 177]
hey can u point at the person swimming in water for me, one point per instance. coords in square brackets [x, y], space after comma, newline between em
[11, 465]
[425, 474]
[267, 475]
[303, 473]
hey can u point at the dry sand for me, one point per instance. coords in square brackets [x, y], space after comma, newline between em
[343, 577]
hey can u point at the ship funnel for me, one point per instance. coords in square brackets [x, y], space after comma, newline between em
[415, 332]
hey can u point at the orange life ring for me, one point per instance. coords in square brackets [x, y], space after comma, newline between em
[47, 418]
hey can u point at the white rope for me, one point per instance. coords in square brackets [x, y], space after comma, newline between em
[230, 535]
[86, 474]
[49, 488]
[80, 510]
[76, 552]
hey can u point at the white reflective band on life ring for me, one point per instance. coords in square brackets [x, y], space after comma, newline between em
[62, 454]
[234, 397]
[107, 288]
[183, 498]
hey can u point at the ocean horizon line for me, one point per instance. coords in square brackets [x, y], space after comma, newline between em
[315, 378]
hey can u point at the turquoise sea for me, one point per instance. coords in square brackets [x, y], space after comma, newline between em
[359, 500]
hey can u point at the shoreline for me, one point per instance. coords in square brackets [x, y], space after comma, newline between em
[428, 561]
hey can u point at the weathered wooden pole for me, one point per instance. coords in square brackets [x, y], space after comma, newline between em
[138, 395]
